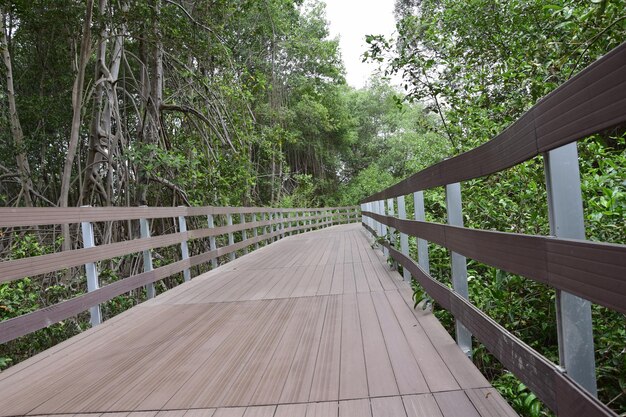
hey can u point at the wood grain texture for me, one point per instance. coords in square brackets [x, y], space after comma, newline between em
[265, 335]
[592, 270]
[591, 102]
[542, 377]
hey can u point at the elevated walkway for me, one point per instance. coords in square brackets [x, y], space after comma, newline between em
[315, 324]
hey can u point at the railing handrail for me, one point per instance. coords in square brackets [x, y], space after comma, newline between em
[40, 216]
[271, 228]
[536, 257]
[591, 102]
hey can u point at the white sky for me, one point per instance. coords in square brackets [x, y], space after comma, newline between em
[351, 20]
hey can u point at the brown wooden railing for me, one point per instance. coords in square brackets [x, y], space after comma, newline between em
[265, 225]
[580, 270]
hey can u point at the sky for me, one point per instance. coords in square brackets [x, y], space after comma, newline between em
[351, 20]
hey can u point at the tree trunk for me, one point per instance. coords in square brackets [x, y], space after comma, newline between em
[77, 98]
[23, 168]
[103, 142]
[154, 84]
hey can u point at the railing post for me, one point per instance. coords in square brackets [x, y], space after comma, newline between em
[144, 230]
[255, 231]
[212, 241]
[392, 231]
[363, 206]
[282, 225]
[265, 230]
[404, 238]
[244, 232]
[91, 271]
[184, 247]
[422, 244]
[573, 314]
[383, 227]
[459, 263]
[231, 237]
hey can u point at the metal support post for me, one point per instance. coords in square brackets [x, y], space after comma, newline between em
[244, 232]
[282, 225]
[383, 227]
[255, 231]
[404, 238]
[392, 231]
[144, 230]
[184, 247]
[363, 205]
[91, 271]
[231, 236]
[459, 263]
[265, 230]
[422, 244]
[212, 241]
[573, 314]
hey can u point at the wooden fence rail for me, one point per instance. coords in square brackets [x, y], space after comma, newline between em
[267, 230]
[581, 271]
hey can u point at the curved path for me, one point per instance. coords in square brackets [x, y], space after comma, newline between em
[313, 325]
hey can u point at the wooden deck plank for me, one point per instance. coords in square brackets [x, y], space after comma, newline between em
[359, 278]
[244, 385]
[388, 407]
[323, 409]
[276, 372]
[455, 404]
[489, 403]
[327, 279]
[422, 405]
[353, 376]
[198, 412]
[406, 370]
[349, 283]
[326, 377]
[355, 408]
[230, 412]
[239, 355]
[265, 411]
[313, 325]
[291, 410]
[298, 382]
[381, 380]
[436, 373]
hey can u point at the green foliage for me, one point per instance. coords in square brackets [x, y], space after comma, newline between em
[524, 401]
[479, 65]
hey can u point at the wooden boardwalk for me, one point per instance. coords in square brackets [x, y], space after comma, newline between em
[312, 325]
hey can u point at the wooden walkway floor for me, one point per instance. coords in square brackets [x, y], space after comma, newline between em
[312, 325]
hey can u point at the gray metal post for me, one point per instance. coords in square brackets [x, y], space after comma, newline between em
[244, 232]
[565, 210]
[91, 271]
[231, 237]
[363, 205]
[265, 229]
[144, 230]
[392, 231]
[184, 247]
[383, 227]
[404, 238]
[422, 244]
[212, 241]
[459, 263]
[282, 225]
[255, 231]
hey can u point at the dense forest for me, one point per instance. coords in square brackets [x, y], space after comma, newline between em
[216, 102]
